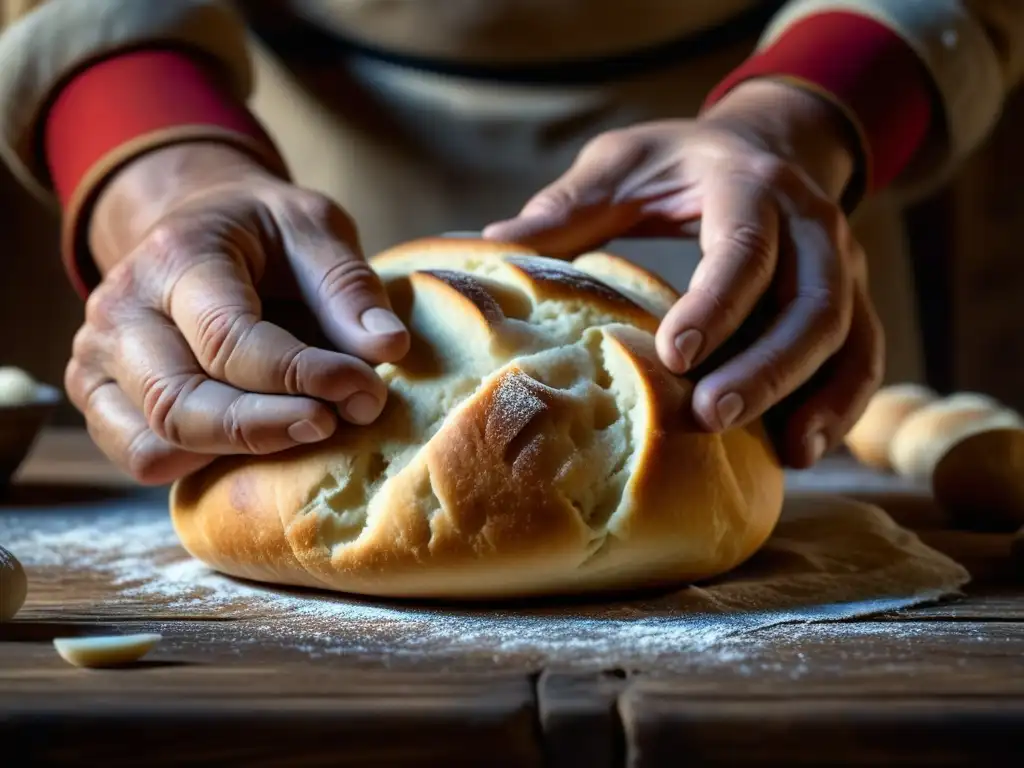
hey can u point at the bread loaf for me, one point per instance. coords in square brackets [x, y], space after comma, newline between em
[532, 443]
[871, 436]
[928, 434]
[968, 447]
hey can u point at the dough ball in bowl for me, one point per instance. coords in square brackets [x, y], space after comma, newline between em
[532, 444]
[17, 387]
[25, 407]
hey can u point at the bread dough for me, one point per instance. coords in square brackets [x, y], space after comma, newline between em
[110, 651]
[16, 387]
[532, 443]
[13, 585]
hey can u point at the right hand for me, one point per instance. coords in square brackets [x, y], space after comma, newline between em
[176, 362]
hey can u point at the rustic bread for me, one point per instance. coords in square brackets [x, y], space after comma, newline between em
[967, 446]
[532, 444]
[870, 438]
[930, 432]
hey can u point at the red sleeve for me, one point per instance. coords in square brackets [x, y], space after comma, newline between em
[867, 69]
[122, 107]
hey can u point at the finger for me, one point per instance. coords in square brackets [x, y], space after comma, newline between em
[854, 374]
[155, 368]
[809, 330]
[122, 434]
[583, 208]
[218, 312]
[739, 239]
[557, 223]
[343, 291]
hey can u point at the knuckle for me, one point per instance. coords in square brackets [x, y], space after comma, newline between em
[873, 362]
[220, 330]
[754, 244]
[612, 148]
[163, 402]
[768, 385]
[166, 240]
[717, 305]
[168, 252]
[144, 461]
[347, 276]
[74, 384]
[294, 371]
[829, 314]
[612, 141]
[235, 428]
[312, 204]
[81, 344]
[103, 303]
[770, 170]
[318, 208]
[838, 226]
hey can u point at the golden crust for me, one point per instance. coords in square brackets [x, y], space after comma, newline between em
[870, 438]
[532, 444]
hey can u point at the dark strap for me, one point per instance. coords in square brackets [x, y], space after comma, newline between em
[304, 41]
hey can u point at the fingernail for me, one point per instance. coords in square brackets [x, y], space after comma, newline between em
[306, 432]
[688, 345]
[361, 408]
[729, 408]
[816, 445]
[380, 321]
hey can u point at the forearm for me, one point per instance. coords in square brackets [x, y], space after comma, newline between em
[802, 127]
[147, 189]
[871, 78]
[50, 51]
[922, 82]
[167, 98]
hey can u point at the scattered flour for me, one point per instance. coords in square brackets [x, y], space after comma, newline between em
[134, 558]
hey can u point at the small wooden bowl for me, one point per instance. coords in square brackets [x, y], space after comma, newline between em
[20, 426]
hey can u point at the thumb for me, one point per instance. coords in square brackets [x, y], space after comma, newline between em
[342, 290]
[574, 215]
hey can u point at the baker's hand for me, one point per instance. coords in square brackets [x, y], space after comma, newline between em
[758, 179]
[176, 362]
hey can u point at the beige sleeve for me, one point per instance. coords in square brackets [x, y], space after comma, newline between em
[974, 50]
[44, 41]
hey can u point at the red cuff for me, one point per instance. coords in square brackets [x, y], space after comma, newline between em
[867, 69]
[122, 107]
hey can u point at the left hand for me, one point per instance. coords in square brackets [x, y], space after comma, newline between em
[757, 178]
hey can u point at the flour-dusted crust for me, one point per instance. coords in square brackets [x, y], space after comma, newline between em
[532, 444]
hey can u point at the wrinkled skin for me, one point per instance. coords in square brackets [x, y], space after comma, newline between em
[179, 359]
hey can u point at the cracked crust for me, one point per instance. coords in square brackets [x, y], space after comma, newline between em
[532, 444]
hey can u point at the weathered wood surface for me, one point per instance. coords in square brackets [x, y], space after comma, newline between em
[942, 683]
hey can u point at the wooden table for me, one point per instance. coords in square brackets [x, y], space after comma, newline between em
[923, 686]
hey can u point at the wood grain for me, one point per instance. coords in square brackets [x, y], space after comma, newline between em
[933, 684]
[667, 730]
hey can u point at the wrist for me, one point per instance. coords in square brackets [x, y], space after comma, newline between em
[863, 67]
[164, 98]
[797, 125]
[152, 185]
